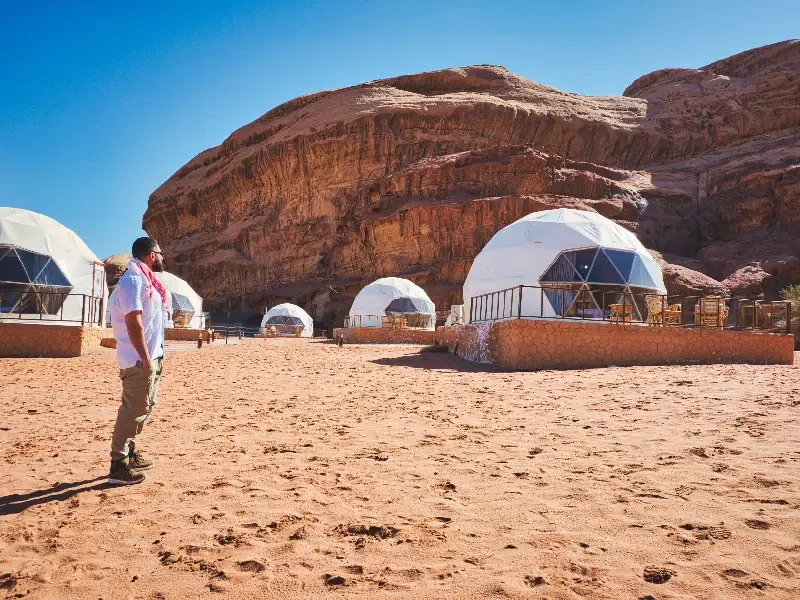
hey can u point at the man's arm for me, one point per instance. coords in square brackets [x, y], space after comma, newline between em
[133, 322]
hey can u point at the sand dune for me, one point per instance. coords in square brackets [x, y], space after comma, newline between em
[295, 469]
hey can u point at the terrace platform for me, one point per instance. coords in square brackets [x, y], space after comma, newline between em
[384, 335]
[31, 340]
[533, 344]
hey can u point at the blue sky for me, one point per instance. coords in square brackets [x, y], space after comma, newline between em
[100, 104]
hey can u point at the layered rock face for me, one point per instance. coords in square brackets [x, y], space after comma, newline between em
[411, 176]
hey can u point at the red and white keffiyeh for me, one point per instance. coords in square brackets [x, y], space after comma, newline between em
[150, 278]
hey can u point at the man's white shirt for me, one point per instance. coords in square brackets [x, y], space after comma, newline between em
[132, 294]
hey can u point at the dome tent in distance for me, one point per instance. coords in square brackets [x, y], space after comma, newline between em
[47, 272]
[187, 305]
[392, 295]
[285, 317]
[563, 251]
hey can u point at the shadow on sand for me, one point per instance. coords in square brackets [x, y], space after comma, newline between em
[440, 361]
[16, 503]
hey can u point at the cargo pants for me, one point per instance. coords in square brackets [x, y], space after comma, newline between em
[139, 395]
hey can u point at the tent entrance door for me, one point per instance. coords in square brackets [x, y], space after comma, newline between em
[95, 311]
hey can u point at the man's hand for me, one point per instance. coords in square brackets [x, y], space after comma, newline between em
[146, 366]
[133, 322]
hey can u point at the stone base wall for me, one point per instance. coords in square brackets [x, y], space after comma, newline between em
[537, 344]
[384, 335]
[25, 340]
[184, 335]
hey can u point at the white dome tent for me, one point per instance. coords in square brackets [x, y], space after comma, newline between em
[392, 296]
[187, 305]
[47, 273]
[285, 318]
[582, 261]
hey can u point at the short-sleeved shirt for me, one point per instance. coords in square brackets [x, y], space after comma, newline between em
[132, 293]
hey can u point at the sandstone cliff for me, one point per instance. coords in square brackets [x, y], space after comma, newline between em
[411, 176]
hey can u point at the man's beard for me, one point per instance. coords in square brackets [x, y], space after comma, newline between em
[158, 266]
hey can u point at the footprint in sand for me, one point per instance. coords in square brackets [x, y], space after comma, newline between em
[250, 566]
[658, 574]
[756, 524]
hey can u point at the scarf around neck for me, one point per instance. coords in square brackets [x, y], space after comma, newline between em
[151, 280]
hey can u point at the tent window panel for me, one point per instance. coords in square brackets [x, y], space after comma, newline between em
[11, 269]
[10, 294]
[605, 297]
[181, 303]
[560, 300]
[562, 270]
[604, 271]
[284, 320]
[583, 262]
[402, 305]
[622, 260]
[47, 300]
[52, 275]
[32, 262]
[639, 275]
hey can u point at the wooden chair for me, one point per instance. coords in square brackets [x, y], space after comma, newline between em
[710, 312]
[672, 315]
[621, 313]
[655, 310]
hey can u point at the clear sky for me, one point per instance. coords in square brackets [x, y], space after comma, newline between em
[101, 102]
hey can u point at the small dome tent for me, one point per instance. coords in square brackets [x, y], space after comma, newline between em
[187, 305]
[47, 273]
[581, 260]
[286, 317]
[392, 296]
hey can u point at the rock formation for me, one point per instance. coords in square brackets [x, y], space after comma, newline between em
[115, 266]
[411, 176]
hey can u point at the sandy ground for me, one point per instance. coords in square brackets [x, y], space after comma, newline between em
[295, 469]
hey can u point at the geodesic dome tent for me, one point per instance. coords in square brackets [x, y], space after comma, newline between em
[392, 296]
[286, 317]
[580, 263]
[187, 305]
[47, 273]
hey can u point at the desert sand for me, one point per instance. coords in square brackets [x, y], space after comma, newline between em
[296, 469]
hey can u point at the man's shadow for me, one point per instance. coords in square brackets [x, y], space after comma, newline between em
[16, 503]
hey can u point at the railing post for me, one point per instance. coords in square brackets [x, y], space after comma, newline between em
[519, 304]
[541, 302]
[788, 317]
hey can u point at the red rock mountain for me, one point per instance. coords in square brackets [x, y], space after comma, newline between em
[411, 176]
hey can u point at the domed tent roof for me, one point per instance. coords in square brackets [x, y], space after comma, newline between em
[562, 247]
[390, 295]
[184, 299]
[286, 316]
[41, 261]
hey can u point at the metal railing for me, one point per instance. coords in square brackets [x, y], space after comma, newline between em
[412, 320]
[34, 305]
[620, 306]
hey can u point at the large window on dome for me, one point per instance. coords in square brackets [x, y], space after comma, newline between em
[284, 320]
[601, 266]
[30, 282]
[182, 311]
[586, 282]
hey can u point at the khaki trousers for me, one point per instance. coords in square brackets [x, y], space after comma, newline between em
[139, 395]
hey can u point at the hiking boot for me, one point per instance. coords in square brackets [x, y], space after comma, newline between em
[121, 474]
[136, 461]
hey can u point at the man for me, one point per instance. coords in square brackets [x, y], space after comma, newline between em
[138, 305]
